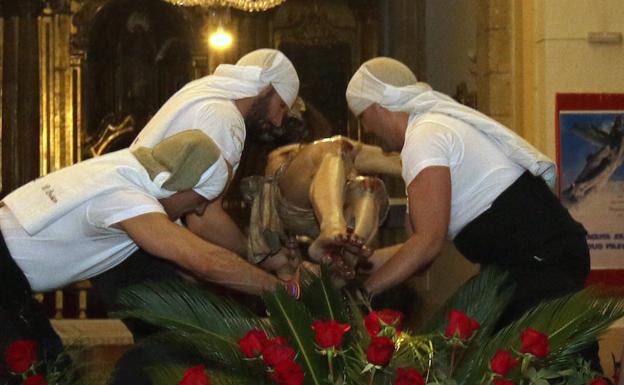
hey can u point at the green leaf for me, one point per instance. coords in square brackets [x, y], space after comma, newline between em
[322, 298]
[571, 324]
[188, 308]
[493, 292]
[548, 373]
[292, 320]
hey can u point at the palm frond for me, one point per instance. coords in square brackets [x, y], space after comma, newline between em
[171, 346]
[292, 320]
[322, 298]
[326, 301]
[358, 338]
[571, 323]
[483, 298]
[188, 309]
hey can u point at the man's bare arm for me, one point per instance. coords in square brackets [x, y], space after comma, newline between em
[216, 226]
[155, 233]
[429, 197]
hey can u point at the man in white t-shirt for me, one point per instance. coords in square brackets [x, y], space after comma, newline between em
[85, 219]
[472, 180]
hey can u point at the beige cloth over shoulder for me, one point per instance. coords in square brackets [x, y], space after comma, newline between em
[188, 160]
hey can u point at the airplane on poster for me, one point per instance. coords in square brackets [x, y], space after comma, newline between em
[601, 164]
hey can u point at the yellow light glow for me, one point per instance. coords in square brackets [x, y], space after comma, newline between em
[220, 39]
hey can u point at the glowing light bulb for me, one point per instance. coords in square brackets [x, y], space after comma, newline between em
[220, 39]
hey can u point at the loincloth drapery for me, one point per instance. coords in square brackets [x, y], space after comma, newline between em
[273, 218]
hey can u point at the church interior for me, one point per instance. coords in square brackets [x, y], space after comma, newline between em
[80, 78]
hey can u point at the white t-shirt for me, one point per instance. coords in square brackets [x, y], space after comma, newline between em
[79, 245]
[220, 119]
[479, 170]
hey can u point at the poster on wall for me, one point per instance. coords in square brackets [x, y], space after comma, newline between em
[590, 155]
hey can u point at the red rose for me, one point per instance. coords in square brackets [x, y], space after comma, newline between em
[409, 377]
[380, 351]
[37, 379]
[461, 324]
[534, 342]
[279, 340]
[253, 343]
[598, 381]
[502, 381]
[329, 333]
[195, 376]
[20, 355]
[389, 317]
[275, 354]
[502, 362]
[288, 373]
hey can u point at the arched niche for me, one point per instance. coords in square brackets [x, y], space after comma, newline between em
[137, 53]
[323, 39]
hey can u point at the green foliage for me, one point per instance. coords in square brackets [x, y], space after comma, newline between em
[571, 323]
[292, 320]
[201, 327]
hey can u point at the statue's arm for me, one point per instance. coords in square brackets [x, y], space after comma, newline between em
[216, 226]
[373, 160]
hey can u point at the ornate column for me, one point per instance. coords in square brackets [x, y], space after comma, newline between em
[59, 85]
[1, 83]
[20, 97]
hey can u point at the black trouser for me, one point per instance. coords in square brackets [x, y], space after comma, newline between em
[21, 316]
[528, 233]
[531, 235]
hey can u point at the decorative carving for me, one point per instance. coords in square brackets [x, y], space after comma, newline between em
[110, 135]
[60, 6]
[85, 13]
[314, 23]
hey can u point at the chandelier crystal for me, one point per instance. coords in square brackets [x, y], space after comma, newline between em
[245, 5]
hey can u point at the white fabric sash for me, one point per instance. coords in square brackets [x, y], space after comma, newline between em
[419, 98]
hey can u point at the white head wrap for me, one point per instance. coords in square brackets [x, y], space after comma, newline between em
[275, 69]
[392, 85]
[253, 73]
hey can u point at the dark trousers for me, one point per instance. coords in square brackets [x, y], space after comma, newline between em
[21, 316]
[529, 234]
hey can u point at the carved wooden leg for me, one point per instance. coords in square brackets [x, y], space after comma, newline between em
[327, 198]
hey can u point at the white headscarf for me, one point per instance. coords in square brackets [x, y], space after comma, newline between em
[392, 85]
[250, 75]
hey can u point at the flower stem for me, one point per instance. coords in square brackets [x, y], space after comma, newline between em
[372, 377]
[331, 367]
[453, 349]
